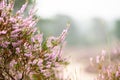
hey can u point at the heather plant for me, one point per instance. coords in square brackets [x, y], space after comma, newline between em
[24, 54]
[107, 69]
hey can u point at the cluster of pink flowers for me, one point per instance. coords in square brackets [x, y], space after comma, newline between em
[107, 69]
[24, 55]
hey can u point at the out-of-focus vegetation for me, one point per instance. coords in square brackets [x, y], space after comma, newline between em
[99, 31]
[108, 68]
[55, 26]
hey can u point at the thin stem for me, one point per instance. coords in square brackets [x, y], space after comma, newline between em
[1, 76]
[9, 75]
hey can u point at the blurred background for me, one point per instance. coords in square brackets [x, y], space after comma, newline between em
[93, 22]
[95, 25]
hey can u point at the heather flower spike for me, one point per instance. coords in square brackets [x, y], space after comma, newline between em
[23, 8]
[64, 33]
[23, 53]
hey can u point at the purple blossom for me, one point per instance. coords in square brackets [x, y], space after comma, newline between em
[15, 31]
[64, 33]
[12, 63]
[40, 62]
[28, 54]
[14, 36]
[5, 44]
[18, 50]
[13, 20]
[49, 41]
[22, 8]
[18, 43]
[3, 32]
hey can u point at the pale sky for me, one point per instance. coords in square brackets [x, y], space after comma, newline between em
[80, 9]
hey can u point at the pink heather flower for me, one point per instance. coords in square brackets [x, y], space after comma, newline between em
[10, 6]
[40, 62]
[64, 33]
[29, 18]
[18, 50]
[35, 62]
[15, 31]
[33, 39]
[13, 20]
[3, 45]
[3, 32]
[6, 42]
[28, 54]
[52, 56]
[12, 63]
[48, 66]
[34, 30]
[32, 24]
[22, 8]
[15, 26]
[38, 37]
[49, 63]
[49, 41]
[27, 23]
[42, 71]
[14, 36]
[19, 18]
[46, 55]
[19, 75]
[18, 43]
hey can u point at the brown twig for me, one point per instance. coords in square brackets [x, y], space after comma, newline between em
[9, 75]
